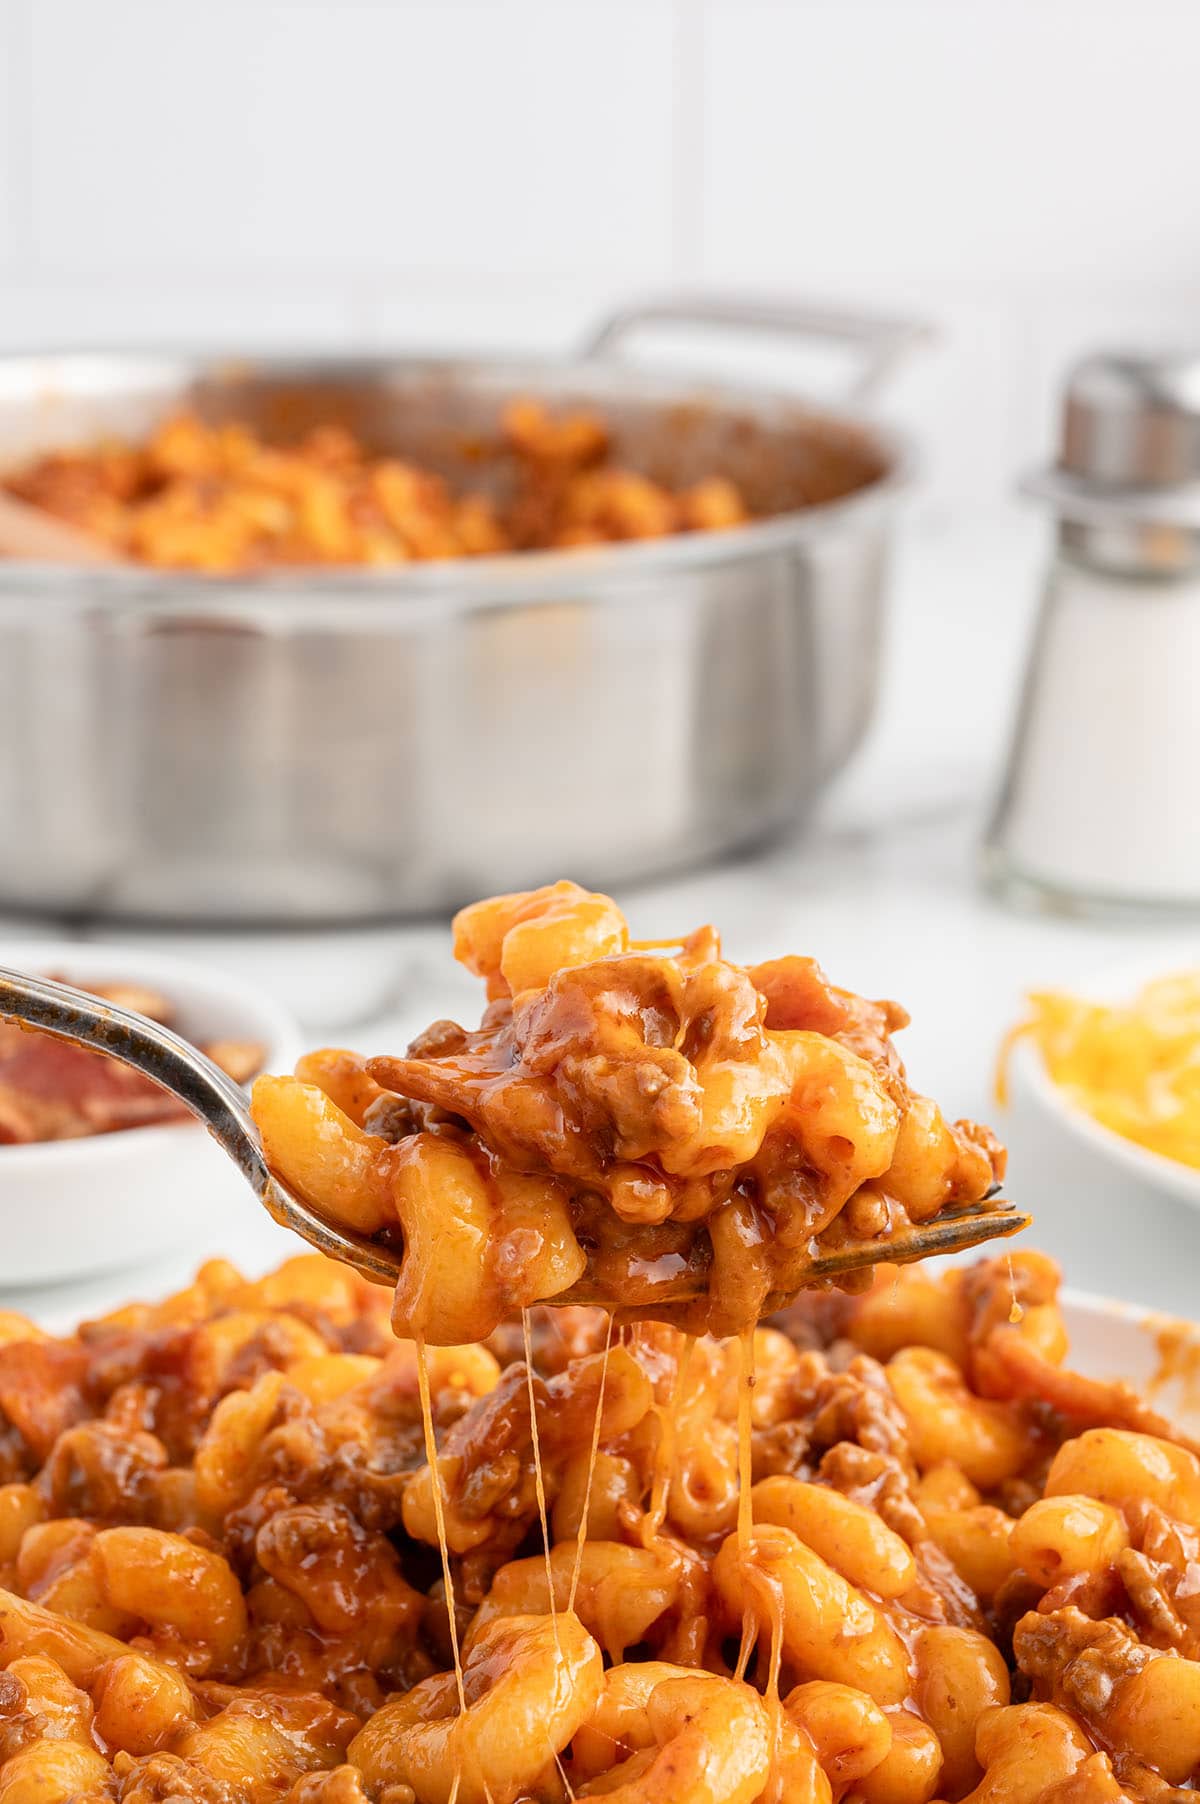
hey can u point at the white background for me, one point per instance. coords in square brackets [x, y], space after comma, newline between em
[498, 172]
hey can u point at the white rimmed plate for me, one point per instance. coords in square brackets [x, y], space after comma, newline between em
[1158, 1354]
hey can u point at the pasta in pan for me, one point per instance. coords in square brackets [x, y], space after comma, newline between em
[223, 497]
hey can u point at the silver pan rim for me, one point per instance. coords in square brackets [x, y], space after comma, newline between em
[464, 583]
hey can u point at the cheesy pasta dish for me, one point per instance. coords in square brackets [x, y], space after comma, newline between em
[220, 498]
[286, 1541]
[952, 1569]
[642, 1125]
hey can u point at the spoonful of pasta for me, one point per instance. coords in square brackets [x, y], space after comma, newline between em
[639, 1125]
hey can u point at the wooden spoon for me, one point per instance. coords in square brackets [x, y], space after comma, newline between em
[34, 536]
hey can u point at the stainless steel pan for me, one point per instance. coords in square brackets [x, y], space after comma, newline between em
[345, 746]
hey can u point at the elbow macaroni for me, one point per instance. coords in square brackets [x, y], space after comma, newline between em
[220, 1579]
[649, 1127]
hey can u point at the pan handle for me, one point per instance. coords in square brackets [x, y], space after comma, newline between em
[880, 341]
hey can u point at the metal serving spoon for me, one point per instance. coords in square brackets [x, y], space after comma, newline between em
[213, 1097]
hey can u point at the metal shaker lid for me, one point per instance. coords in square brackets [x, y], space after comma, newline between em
[1127, 482]
[1133, 419]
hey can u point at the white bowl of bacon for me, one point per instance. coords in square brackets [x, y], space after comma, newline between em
[99, 1169]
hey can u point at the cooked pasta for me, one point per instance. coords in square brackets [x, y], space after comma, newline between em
[290, 1541]
[645, 1125]
[220, 498]
[964, 1572]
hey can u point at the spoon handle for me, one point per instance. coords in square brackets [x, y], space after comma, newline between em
[83, 1020]
[211, 1095]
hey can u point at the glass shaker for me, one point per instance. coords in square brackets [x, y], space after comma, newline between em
[1100, 804]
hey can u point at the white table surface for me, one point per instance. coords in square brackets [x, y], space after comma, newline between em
[882, 889]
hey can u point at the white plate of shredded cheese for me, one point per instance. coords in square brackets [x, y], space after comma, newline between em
[1163, 1098]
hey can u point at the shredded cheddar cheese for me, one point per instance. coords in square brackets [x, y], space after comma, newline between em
[1134, 1067]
